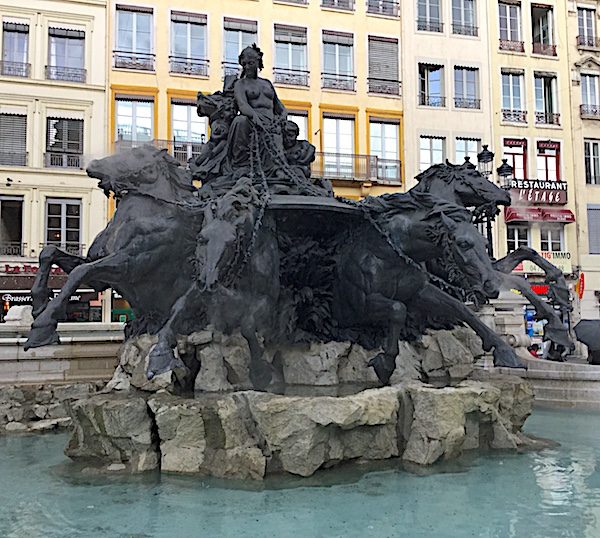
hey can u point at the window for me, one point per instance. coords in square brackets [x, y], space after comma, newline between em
[339, 4]
[300, 118]
[11, 226]
[593, 218]
[467, 147]
[338, 145]
[384, 144]
[510, 28]
[188, 129]
[134, 38]
[592, 162]
[516, 236]
[239, 34]
[431, 85]
[63, 224]
[431, 151]
[466, 88]
[383, 7]
[13, 140]
[541, 22]
[515, 153]
[512, 98]
[64, 143]
[338, 70]
[552, 238]
[383, 66]
[428, 16]
[188, 44]
[66, 55]
[548, 161]
[463, 17]
[15, 43]
[545, 99]
[590, 103]
[290, 56]
[587, 33]
[135, 120]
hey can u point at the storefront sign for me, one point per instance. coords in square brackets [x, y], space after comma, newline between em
[540, 289]
[27, 269]
[561, 259]
[580, 286]
[16, 298]
[538, 192]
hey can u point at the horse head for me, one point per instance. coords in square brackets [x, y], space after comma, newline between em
[461, 184]
[143, 169]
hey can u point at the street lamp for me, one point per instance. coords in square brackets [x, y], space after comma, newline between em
[505, 172]
[485, 160]
[487, 213]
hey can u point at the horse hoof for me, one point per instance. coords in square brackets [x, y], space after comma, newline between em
[260, 375]
[382, 369]
[506, 357]
[41, 337]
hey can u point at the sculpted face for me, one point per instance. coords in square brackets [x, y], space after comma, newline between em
[250, 62]
[290, 134]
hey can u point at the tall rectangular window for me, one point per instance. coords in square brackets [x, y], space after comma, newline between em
[338, 145]
[15, 45]
[463, 17]
[510, 27]
[515, 153]
[517, 235]
[543, 31]
[13, 139]
[548, 161]
[552, 238]
[431, 85]
[590, 100]
[300, 118]
[188, 44]
[63, 224]
[466, 88]
[66, 55]
[467, 147]
[546, 106]
[135, 120]
[11, 226]
[429, 16]
[134, 38]
[512, 98]
[188, 130]
[593, 220]
[431, 151]
[384, 144]
[64, 143]
[338, 61]
[587, 27]
[239, 34]
[290, 55]
[592, 162]
[384, 75]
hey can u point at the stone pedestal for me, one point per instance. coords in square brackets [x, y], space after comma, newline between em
[510, 319]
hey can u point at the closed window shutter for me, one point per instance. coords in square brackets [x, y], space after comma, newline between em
[593, 215]
[339, 38]
[290, 34]
[193, 18]
[13, 135]
[383, 58]
[241, 25]
[64, 136]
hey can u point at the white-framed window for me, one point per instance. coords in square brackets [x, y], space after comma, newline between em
[11, 226]
[429, 16]
[64, 143]
[592, 161]
[467, 147]
[517, 235]
[300, 118]
[188, 43]
[134, 38]
[463, 17]
[552, 238]
[239, 34]
[66, 55]
[512, 91]
[338, 61]
[548, 161]
[466, 87]
[15, 49]
[431, 85]
[134, 119]
[542, 24]
[338, 145]
[290, 55]
[384, 144]
[63, 223]
[515, 152]
[593, 221]
[431, 151]
[587, 27]
[13, 139]
[546, 105]
[589, 90]
[186, 125]
[510, 22]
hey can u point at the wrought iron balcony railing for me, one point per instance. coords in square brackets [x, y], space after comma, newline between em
[140, 61]
[544, 49]
[546, 118]
[67, 74]
[336, 166]
[588, 41]
[63, 160]
[512, 46]
[465, 29]
[515, 116]
[347, 5]
[431, 100]
[15, 69]
[592, 180]
[426, 25]
[290, 77]
[385, 87]
[590, 111]
[336, 81]
[182, 151]
[188, 66]
[12, 248]
[462, 102]
[383, 7]
[230, 68]
[13, 158]
[76, 249]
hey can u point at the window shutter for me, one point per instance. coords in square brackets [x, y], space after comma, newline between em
[134, 9]
[383, 58]
[339, 38]
[15, 27]
[290, 34]
[13, 137]
[63, 32]
[64, 136]
[250, 27]
[194, 18]
[593, 216]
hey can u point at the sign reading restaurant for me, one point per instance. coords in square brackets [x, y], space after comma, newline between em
[539, 192]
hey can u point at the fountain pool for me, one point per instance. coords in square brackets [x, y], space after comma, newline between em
[555, 493]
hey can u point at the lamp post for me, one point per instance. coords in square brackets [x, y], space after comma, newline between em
[505, 171]
[485, 161]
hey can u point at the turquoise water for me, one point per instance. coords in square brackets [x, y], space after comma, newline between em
[555, 493]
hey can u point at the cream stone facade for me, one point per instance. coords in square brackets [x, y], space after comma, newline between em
[52, 122]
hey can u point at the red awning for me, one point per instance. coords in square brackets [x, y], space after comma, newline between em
[522, 214]
[558, 215]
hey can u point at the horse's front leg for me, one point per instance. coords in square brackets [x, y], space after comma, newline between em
[50, 255]
[261, 372]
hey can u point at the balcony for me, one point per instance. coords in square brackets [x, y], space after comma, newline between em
[182, 151]
[346, 5]
[76, 249]
[465, 29]
[139, 61]
[546, 118]
[230, 68]
[545, 49]
[425, 25]
[336, 166]
[13, 158]
[461, 102]
[15, 69]
[63, 160]
[383, 87]
[383, 7]
[588, 42]
[512, 46]
[432, 100]
[334, 81]
[66, 74]
[590, 111]
[13, 249]
[514, 116]
[290, 77]
[188, 66]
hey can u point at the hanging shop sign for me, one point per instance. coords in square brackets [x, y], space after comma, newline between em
[560, 259]
[580, 285]
[538, 192]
